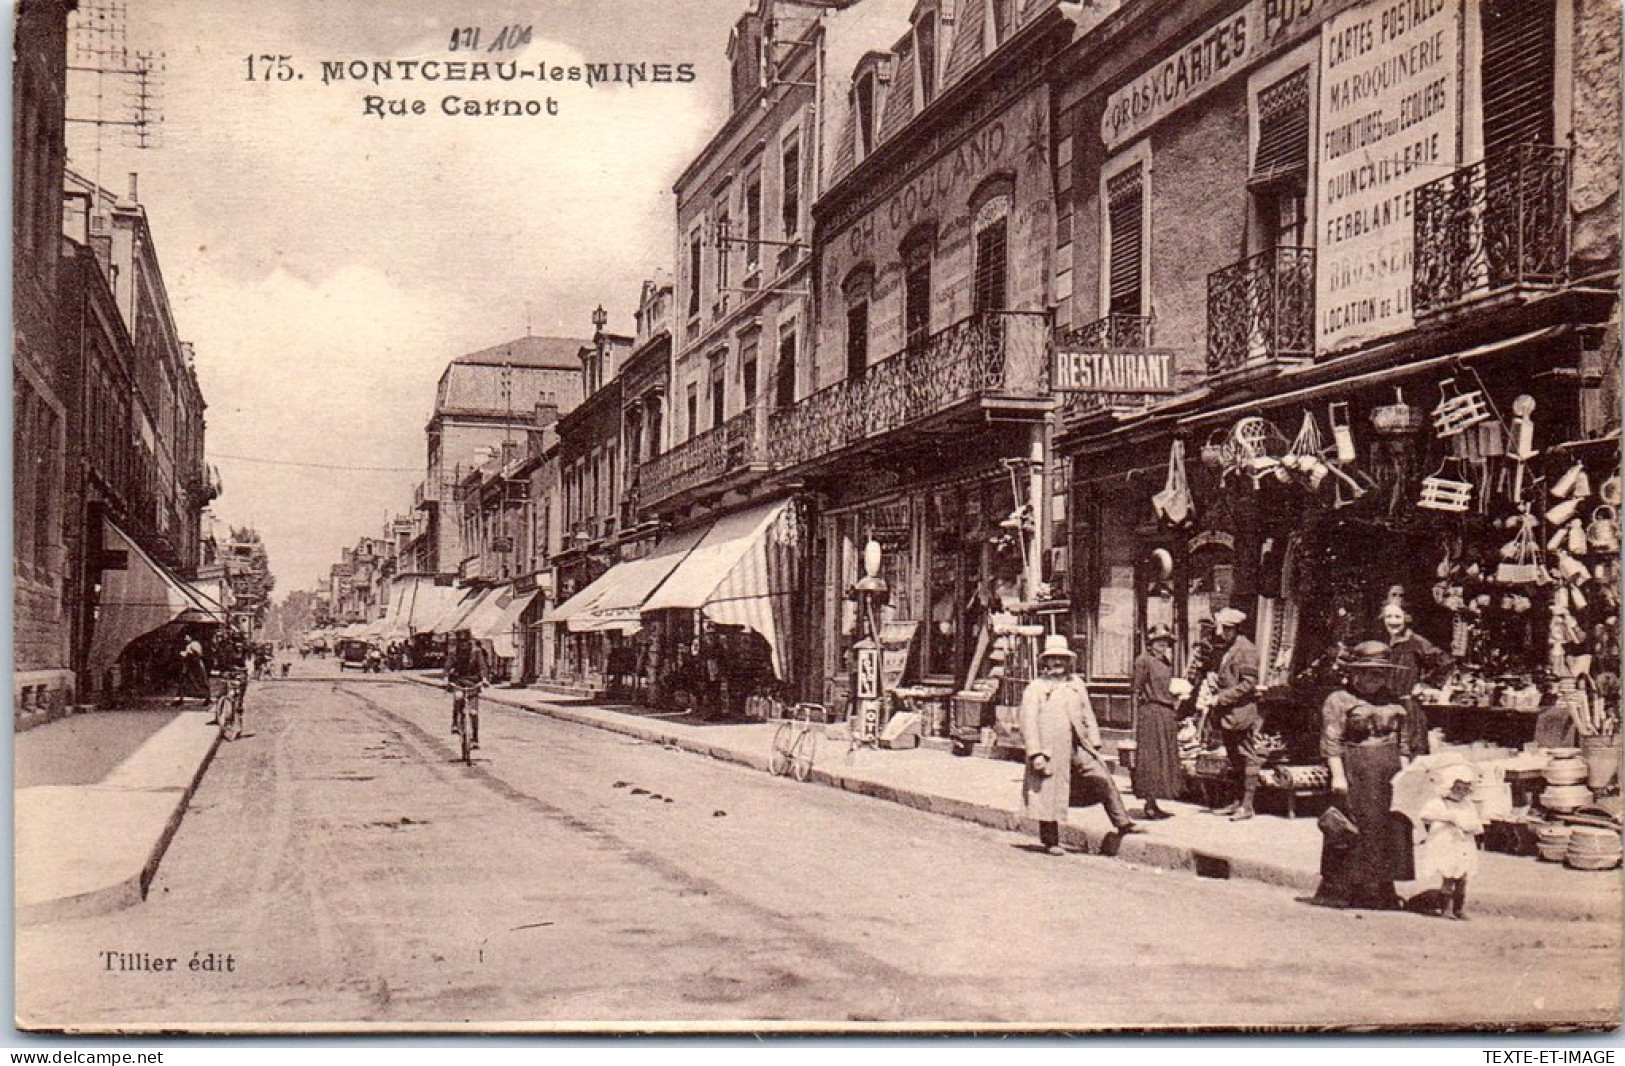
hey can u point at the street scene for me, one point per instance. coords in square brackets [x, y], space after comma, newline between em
[817, 515]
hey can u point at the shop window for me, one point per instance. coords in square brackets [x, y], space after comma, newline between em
[1112, 649]
[1125, 215]
[1280, 174]
[1517, 73]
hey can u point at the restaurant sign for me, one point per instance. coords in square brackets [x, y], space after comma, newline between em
[1133, 372]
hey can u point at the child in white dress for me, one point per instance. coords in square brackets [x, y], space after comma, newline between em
[1452, 825]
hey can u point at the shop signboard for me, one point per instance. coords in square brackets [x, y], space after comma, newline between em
[896, 644]
[1390, 90]
[1119, 376]
[1206, 60]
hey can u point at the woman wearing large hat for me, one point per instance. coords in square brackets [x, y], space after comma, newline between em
[1365, 743]
[1059, 730]
[1156, 725]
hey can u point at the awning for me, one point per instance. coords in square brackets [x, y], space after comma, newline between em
[739, 575]
[457, 617]
[496, 618]
[616, 598]
[140, 598]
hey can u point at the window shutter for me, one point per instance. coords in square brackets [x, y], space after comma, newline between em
[1520, 54]
[1125, 208]
[1283, 132]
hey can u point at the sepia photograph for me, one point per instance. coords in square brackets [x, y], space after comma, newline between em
[816, 516]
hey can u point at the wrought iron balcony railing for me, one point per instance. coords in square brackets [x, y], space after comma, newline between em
[718, 451]
[1261, 308]
[1499, 224]
[996, 352]
[1113, 331]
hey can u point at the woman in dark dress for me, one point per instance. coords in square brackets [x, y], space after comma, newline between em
[1365, 742]
[1416, 660]
[1156, 726]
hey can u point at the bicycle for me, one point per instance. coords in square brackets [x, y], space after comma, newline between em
[465, 716]
[228, 706]
[795, 743]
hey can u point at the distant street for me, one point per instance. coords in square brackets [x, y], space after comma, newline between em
[354, 872]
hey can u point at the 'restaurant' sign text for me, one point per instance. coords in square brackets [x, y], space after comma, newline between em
[1135, 371]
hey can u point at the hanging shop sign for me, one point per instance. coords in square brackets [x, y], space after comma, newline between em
[1130, 373]
[1208, 60]
[1390, 88]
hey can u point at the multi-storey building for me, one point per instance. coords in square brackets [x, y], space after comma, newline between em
[136, 485]
[43, 678]
[484, 398]
[1380, 241]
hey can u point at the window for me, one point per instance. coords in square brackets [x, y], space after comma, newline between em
[694, 274]
[718, 383]
[1125, 210]
[917, 295]
[925, 52]
[790, 168]
[1280, 174]
[784, 378]
[990, 287]
[724, 250]
[1520, 50]
[857, 339]
[693, 407]
[753, 223]
[655, 427]
[1000, 16]
[747, 367]
[864, 102]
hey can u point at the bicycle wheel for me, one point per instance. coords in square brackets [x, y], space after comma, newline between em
[222, 712]
[465, 734]
[232, 725]
[778, 760]
[802, 754]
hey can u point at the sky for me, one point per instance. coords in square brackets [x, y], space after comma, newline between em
[327, 264]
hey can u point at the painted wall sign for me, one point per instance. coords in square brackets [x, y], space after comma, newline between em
[1390, 78]
[1216, 54]
[1139, 371]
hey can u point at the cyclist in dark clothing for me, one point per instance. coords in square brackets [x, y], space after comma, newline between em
[467, 668]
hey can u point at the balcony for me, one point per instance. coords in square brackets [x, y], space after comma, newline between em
[1496, 227]
[1113, 331]
[1261, 310]
[730, 448]
[997, 359]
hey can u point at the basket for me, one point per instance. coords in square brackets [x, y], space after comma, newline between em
[1398, 419]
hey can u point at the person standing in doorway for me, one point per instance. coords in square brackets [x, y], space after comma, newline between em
[1059, 731]
[194, 674]
[1156, 726]
[1235, 708]
[1417, 661]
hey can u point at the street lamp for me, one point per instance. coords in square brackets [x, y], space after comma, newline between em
[600, 318]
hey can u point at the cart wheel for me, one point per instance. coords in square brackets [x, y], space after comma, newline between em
[803, 753]
[778, 761]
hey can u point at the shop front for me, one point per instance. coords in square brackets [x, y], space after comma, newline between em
[1455, 506]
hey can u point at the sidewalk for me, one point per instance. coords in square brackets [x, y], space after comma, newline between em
[98, 797]
[1275, 850]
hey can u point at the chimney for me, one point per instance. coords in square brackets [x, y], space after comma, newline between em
[135, 196]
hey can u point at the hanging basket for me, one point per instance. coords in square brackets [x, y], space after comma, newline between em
[1443, 492]
[1216, 452]
[1397, 419]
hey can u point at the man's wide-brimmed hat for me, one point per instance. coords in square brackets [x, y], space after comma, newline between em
[1056, 647]
[1160, 631]
[1369, 654]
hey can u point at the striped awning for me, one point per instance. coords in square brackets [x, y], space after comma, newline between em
[617, 598]
[738, 575]
[140, 597]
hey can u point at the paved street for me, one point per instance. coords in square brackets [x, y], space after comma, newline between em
[354, 872]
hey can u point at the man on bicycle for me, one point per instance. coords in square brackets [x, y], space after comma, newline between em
[228, 652]
[466, 671]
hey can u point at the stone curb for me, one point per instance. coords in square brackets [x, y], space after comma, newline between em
[1139, 850]
[127, 891]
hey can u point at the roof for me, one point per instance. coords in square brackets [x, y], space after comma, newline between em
[555, 353]
[477, 388]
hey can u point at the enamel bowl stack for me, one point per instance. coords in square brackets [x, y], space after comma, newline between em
[1592, 849]
[1552, 841]
[1565, 781]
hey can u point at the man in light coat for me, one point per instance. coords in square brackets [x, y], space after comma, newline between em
[1060, 733]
